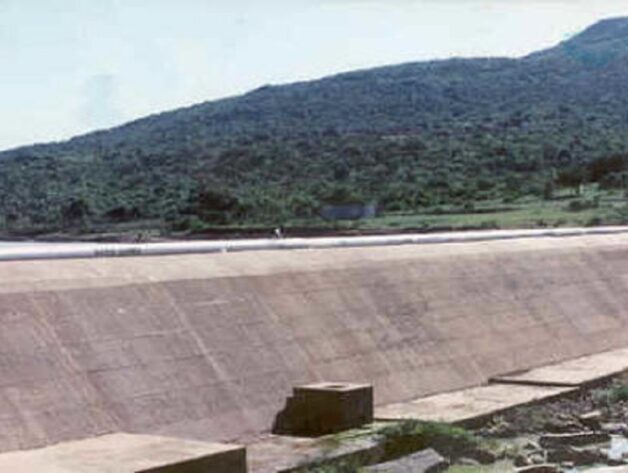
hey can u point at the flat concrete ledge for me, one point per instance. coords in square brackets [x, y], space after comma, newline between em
[128, 453]
[474, 405]
[579, 372]
[469, 406]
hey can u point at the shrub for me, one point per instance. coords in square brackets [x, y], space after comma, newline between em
[611, 395]
[618, 394]
[583, 204]
[410, 436]
[489, 225]
[594, 222]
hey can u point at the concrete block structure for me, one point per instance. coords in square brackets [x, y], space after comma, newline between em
[326, 408]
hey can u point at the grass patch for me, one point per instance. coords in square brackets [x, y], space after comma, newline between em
[611, 395]
[593, 207]
[618, 394]
[333, 442]
[397, 440]
[410, 436]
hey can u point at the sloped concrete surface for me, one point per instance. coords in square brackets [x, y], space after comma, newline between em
[209, 346]
[539, 384]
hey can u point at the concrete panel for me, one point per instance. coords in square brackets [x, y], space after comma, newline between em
[207, 346]
[469, 405]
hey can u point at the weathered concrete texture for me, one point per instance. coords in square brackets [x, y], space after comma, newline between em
[472, 405]
[209, 346]
[124, 453]
[325, 408]
[468, 406]
[574, 439]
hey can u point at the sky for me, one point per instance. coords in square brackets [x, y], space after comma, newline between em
[73, 66]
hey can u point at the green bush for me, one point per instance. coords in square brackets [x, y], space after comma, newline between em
[410, 436]
[579, 205]
[611, 395]
[594, 222]
[618, 394]
[489, 225]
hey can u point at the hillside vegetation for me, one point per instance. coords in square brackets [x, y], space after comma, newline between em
[419, 138]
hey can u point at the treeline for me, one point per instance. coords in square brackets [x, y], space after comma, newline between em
[273, 182]
[411, 138]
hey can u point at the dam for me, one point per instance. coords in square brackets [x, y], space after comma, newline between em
[206, 344]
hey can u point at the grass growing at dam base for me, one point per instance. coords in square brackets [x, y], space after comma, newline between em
[584, 431]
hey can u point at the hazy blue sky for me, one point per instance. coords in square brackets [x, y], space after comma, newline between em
[69, 66]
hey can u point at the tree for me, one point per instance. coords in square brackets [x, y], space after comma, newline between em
[75, 213]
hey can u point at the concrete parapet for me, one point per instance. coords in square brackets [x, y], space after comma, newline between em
[325, 408]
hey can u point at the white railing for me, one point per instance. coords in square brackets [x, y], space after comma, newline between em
[35, 250]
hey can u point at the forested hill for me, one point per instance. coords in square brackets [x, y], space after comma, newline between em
[411, 136]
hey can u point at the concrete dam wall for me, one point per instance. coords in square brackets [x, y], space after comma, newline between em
[209, 346]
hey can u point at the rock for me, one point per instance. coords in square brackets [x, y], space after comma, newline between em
[568, 465]
[468, 462]
[577, 455]
[537, 458]
[591, 419]
[543, 468]
[573, 439]
[522, 460]
[556, 426]
[618, 428]
[501, 429]
[560, 454]
[483, 456]
[531, 446]
[589, 455]
[425, 461]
